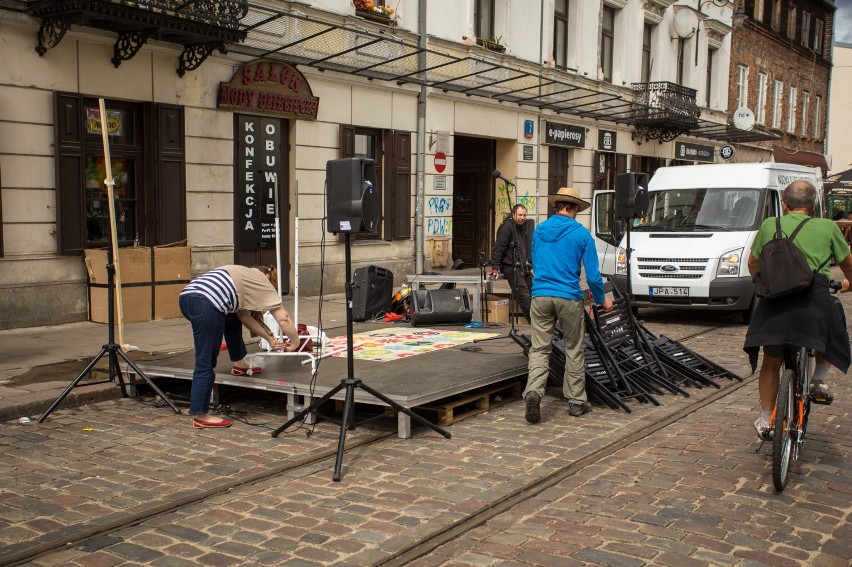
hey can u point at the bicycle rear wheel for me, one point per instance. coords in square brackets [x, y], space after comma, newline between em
[785, 425]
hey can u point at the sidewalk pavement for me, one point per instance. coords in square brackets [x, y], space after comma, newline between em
[38, 363]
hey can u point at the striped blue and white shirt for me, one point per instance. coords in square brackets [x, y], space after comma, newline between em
[218, 287]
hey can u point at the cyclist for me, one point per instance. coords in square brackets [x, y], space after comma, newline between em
[810, 318]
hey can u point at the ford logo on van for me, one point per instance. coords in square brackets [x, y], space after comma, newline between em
[668, 268]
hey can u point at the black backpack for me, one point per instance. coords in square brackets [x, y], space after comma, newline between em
[783, 268]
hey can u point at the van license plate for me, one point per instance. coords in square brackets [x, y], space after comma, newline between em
[669, 291]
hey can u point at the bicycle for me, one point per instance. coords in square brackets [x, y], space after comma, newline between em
[792, 407]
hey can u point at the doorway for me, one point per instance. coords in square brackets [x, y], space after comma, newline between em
[557, 171]
[473, 198]
[261, 165]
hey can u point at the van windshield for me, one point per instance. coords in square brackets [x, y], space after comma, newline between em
[698, 210]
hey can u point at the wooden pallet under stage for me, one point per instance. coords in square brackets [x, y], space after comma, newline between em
[463, 406]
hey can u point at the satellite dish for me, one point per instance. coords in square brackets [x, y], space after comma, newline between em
[744, 119]
[684, 23]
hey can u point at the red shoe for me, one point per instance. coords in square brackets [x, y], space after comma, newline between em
[198, 424]
[237, 371]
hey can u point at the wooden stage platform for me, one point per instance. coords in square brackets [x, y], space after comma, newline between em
[412, 382]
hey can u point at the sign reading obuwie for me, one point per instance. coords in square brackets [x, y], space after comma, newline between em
[269, 87]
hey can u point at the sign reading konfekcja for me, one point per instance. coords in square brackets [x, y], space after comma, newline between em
[557, 134]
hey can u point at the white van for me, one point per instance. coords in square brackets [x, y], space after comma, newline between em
[692, 248]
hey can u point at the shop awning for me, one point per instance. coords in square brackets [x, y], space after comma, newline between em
[799, 157]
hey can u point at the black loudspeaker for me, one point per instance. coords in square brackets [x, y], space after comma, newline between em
[372, 292]
[440, 306]
[351, 197]
[631, 195]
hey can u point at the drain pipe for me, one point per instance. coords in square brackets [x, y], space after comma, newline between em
[420, 199]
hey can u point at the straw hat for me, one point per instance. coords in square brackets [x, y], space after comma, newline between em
[569, 195]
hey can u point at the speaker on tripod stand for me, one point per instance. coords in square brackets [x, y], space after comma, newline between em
[352, 208]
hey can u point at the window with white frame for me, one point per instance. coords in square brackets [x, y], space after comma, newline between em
[560, 34]
[791, 22]
[806, 27]
[817, 117]
[776, 15]
[806, 101]
[742, 86]
[791, 109]
[607, 41]
[818, 27]
[760, 107]
[708, 83]
[646, 52]
[776, 104]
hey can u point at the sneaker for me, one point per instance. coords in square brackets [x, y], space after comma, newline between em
[576, 410]
[763, 433]
[820, 394]
[533, 414]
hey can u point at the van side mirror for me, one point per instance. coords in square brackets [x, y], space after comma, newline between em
[617, 231]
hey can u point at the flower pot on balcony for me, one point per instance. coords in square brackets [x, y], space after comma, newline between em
[374, 17]
[491, 45]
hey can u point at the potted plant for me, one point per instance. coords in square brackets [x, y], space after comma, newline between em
[370, 11]
[492, 43]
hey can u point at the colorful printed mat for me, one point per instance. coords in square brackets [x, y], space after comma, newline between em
[383, 345]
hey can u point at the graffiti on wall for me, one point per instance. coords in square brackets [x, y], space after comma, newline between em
[439, 226]
[439, 206]
[502, 204]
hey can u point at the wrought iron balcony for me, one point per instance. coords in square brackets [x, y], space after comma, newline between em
[199, 25]
[663, 110]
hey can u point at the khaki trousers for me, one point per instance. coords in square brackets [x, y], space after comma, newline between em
[546, 312]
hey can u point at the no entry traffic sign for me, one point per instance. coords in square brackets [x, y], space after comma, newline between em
[440, 162]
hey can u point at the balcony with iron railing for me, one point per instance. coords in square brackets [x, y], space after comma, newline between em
[663, 110]
[199, 25]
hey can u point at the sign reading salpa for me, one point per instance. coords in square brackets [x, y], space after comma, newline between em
[557, 134]
[269, 87]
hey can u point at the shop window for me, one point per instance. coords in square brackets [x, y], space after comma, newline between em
[147, 163]
[391, 150]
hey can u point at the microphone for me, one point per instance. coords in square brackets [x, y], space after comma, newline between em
[497, 175]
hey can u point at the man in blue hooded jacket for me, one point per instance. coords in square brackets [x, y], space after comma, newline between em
[560, 246]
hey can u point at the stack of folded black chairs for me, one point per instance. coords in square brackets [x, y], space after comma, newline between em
[626, 362]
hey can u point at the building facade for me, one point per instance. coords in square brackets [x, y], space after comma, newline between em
[221, 121]
[780, 71]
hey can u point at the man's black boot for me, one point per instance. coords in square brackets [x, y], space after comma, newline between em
[533, 414]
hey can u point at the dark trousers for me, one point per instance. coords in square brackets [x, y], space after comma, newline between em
[520, 288]
[209, 325]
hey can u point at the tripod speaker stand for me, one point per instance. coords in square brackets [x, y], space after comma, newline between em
[350, 383]
[112, 350]
[513, 300]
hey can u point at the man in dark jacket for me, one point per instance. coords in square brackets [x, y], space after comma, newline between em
[510, 256]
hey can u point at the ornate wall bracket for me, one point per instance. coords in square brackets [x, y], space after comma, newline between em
[194, 55]
[128, 45]
[51, 32]
[661, 133]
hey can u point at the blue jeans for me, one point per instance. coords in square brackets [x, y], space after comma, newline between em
[209, 325]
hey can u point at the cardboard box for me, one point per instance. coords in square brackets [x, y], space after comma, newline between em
[166, 300]
[136, 301]
[172, 271]
[134, 264]
[150, 278]
[497, 308]
[172, 263]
